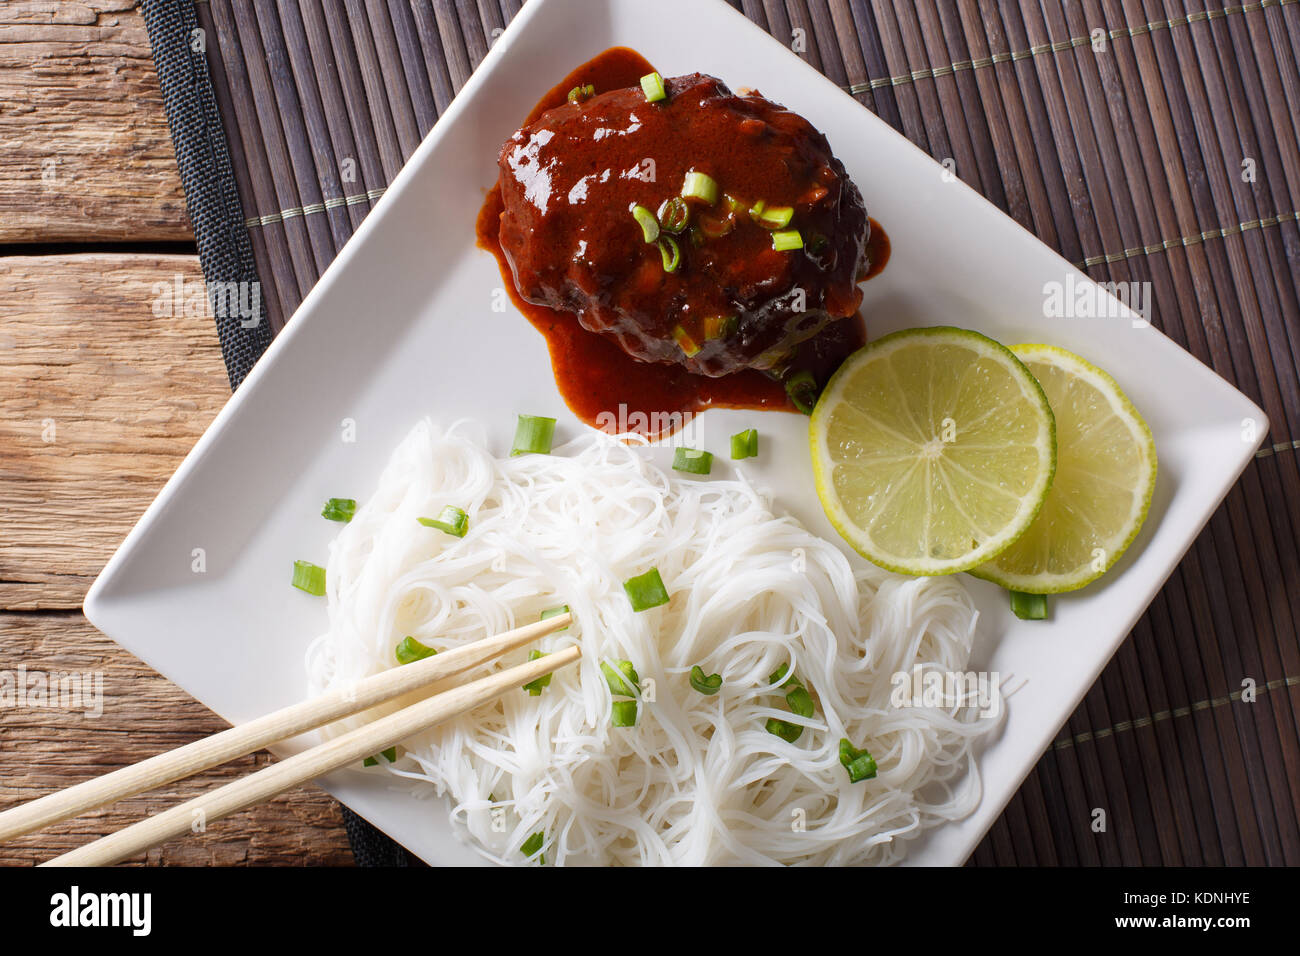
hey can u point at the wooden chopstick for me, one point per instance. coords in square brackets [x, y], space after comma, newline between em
[350, 748]
[258, 733]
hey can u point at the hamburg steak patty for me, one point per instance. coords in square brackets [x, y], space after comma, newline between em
[754, 256]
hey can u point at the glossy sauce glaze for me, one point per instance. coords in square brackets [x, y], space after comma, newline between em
[597, 376]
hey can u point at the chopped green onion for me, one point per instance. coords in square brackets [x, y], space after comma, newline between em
[451, 520]
[390, 755]
[534, 687]
[692, 462]
[533, 435]
[555, 612]
[777, 217]
[533, 844]
[409, 650]
[719, 326]
[688, 345]
[652, 84]
[700, 186]
[646, 590]
[732, 204]
[623, 713]
[800, 702]
[669, 253]
[646, 219]
[784, 729]
[705, 685]
[1029, 607]
[756, 210]
[625, 682]
[779, 674]
[860, 764]
[309, 577]
[339, 509]
[785, 240]
[580, 93]
[715, 227]
[674, 215]
[744, 444]
[802, 389]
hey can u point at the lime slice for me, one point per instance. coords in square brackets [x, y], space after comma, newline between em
[1105, 474]
[932, 450]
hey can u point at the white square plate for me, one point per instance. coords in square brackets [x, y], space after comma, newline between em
[372, 342]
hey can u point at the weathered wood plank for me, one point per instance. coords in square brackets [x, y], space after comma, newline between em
[85, 154]
[100, 399]
[43, 749]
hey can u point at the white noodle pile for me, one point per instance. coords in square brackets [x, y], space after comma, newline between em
[698, 780]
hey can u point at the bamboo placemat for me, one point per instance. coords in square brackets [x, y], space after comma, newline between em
[1146, 140]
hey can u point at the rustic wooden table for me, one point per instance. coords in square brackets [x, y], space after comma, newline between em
[99, 400]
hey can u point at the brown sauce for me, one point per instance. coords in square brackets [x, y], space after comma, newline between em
[599, 380]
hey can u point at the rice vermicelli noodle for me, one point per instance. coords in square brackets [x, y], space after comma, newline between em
[698, 779]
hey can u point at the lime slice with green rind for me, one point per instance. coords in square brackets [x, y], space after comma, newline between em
[1105, 475]
[933, 450]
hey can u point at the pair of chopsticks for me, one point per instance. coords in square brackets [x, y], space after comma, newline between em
[349, 748]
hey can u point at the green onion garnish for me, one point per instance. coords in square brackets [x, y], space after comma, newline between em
[1029, 607]
[715, 227]
[669, 253]
[784, 729]
[860, 764]
[646, 219]
[580, 93]
[339, 509]
[705, 685]
[778, 217]
[802, 389]
[623, 713]
[688, 345]
[652, 84]
[533, 435]
[451, 520]
[409, 650]
[674, 215]
[309, 577]
[700, 186]
[692, 462]
[744, 444]
[756, 210]
[732, 204]
[534, 687]
[555, 612]
[533, 844]
[800, 702]
[779, 674]
[719, 326]
[785, 240]
[390, 755]
[646, 590]
[625, 682]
